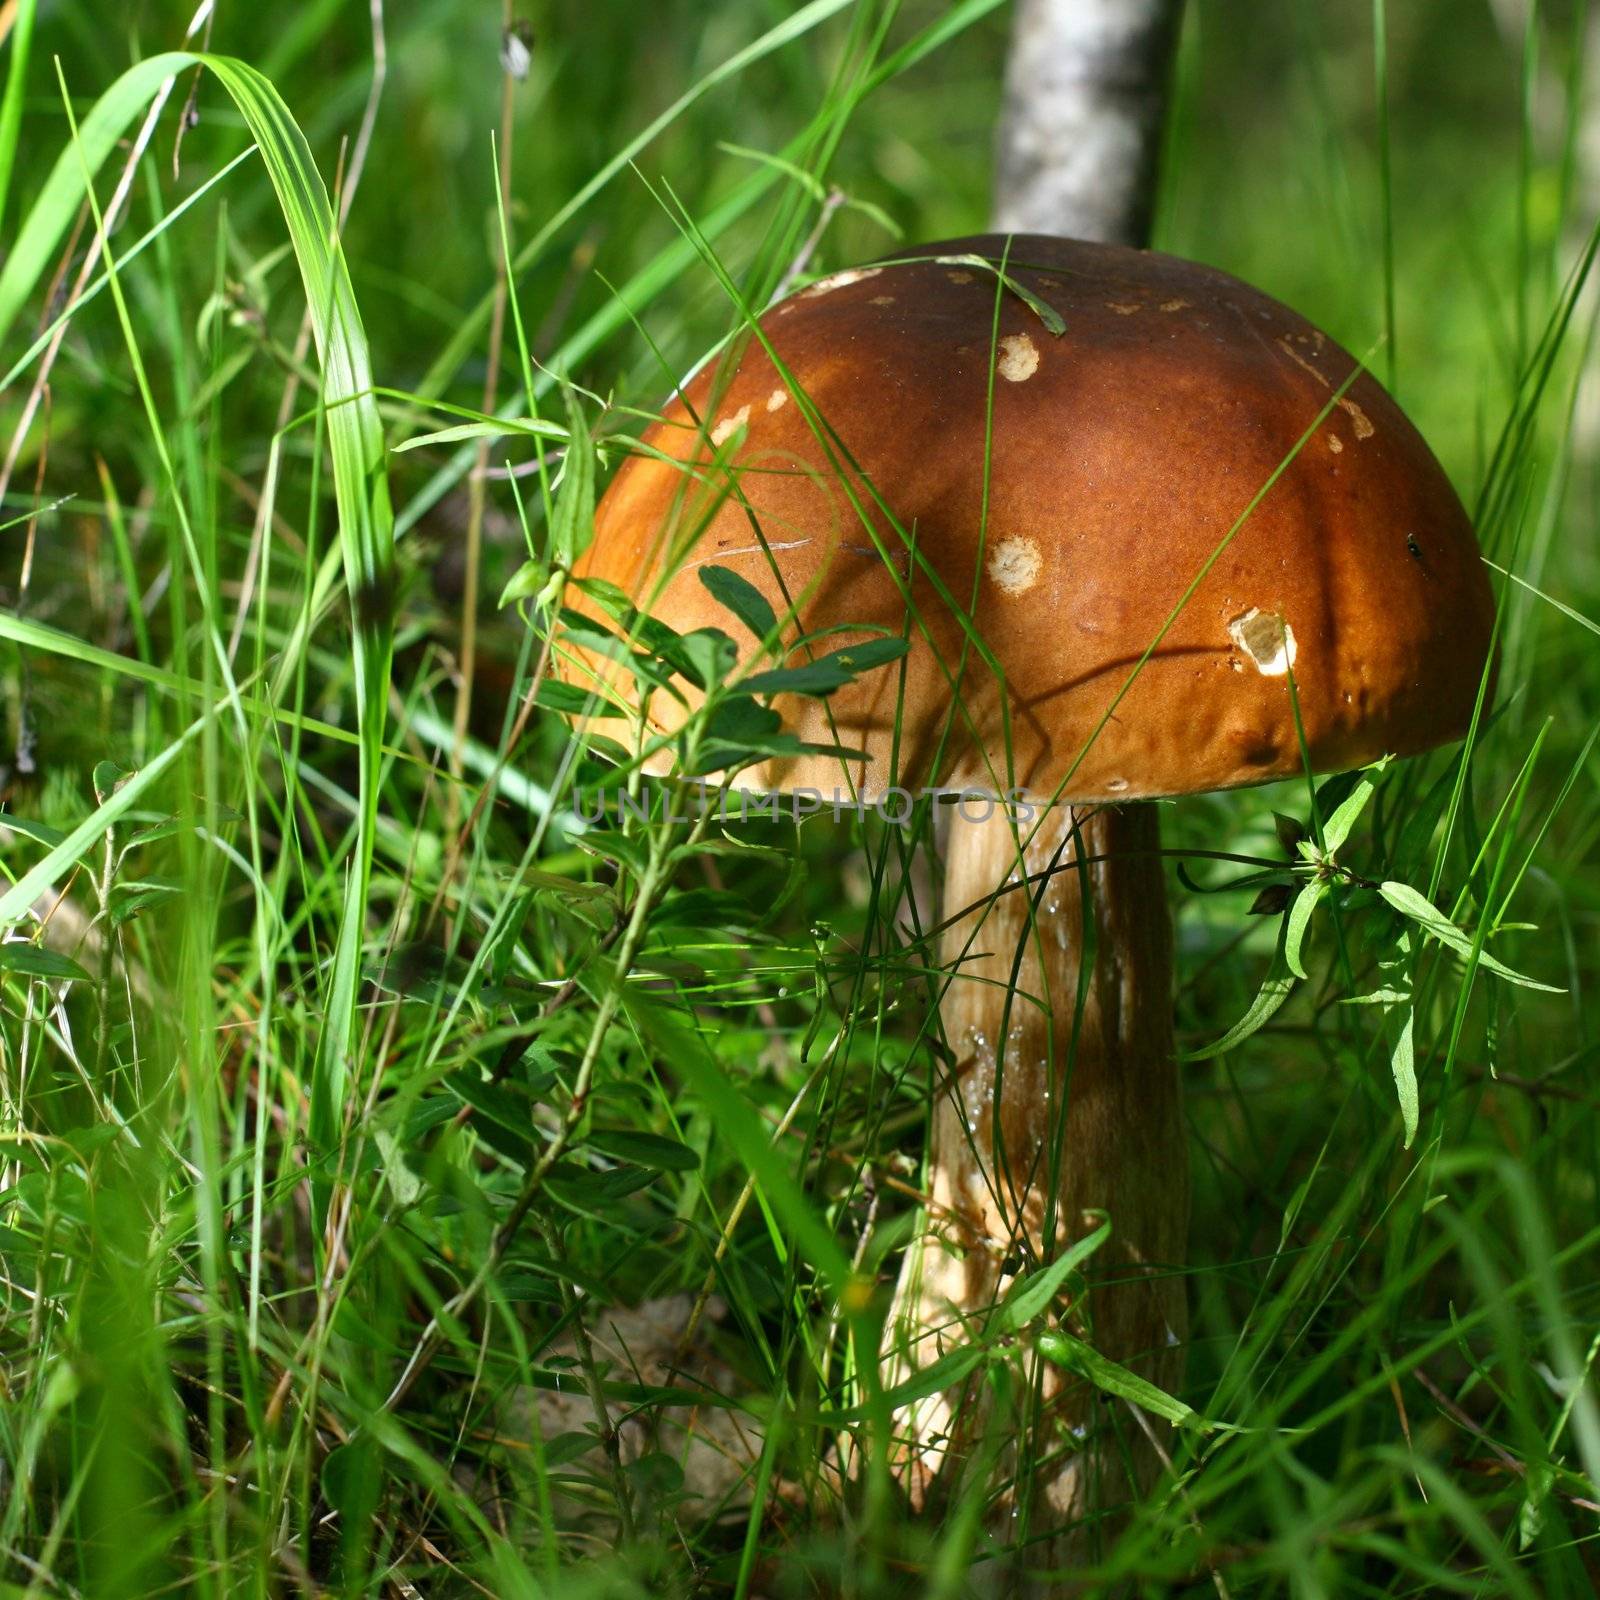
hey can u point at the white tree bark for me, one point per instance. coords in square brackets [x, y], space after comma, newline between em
[1085, 93]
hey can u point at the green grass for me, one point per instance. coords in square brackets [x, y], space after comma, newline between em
[350, 1091]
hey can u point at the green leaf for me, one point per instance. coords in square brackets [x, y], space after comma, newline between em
[644, 1149]
[827, 673]
[1298, 923]
[944, 1373]
[587, 1190]
[1411, 903]
[656, 1475]
[1274, 990]
[108, 778]
[528, 580]
[1272, 901]
[29, 829]
[573, 700]
[489, 428]
[1540, 1480]
[1110, 1378]
[1402, 1063]
[129, 899]
[1033, 1294]
[631, 850]
[168, 826]
[566, 1448]
[29, 960]
[741, 720]
[705, 657]
[503, 1113]
[351, 1480]
[572, 521]
[1378, 997]
[1338, 827]
[742, 598]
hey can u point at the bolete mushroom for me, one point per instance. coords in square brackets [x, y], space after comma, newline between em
[1136, 519]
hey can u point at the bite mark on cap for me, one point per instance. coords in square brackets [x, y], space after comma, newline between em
[1359, 420]
[1015, 565]
[839, 280]
[730, 425]
[1019, 358]
[1266, 639]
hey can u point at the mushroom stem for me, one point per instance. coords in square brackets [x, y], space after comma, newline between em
[1084, 1115]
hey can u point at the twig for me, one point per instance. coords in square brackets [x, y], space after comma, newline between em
[831, 203]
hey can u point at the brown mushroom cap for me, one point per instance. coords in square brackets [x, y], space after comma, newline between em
[1122, 454]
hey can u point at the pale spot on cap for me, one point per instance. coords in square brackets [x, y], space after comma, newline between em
[840, 280]
[1358, 418]
[882, 300]
[959, 277]
[1335, 443]
[1174, 305]
[1267, 639]
[1123, 308]
[730, 425]
[1019, 358]
[777, 400]
[1015, 565]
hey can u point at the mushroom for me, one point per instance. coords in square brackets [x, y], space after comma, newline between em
[1183, 507]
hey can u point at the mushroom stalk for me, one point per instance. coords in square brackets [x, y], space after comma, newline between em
[1081, 1115]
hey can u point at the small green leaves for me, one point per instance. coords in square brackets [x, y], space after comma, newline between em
[742, 598]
